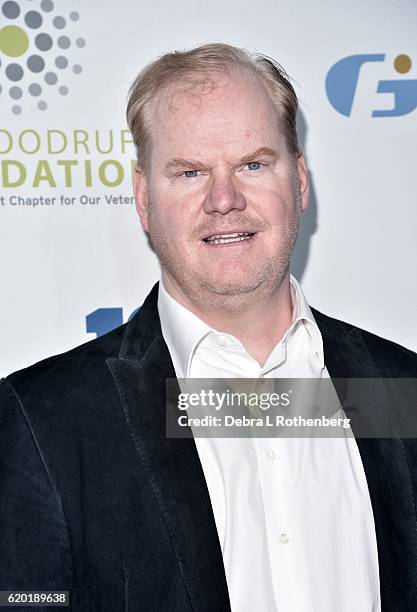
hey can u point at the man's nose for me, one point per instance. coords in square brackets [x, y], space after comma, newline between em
[223, 196]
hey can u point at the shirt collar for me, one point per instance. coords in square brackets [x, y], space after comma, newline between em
[302, 312]
[183, 330]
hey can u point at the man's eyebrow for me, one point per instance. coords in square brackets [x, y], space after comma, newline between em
[178, 162]
[263, 151]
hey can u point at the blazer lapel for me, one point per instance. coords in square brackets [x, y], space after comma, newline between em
[172, 465]
[387, 470]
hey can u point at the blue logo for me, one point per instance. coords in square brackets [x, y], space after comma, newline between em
[103, 320]
[342, 80]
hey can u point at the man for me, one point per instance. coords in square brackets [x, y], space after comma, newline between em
[97, 500]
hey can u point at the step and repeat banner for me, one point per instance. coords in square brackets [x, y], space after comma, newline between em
[75, 261]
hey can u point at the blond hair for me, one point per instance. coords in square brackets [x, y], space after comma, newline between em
[216, 58]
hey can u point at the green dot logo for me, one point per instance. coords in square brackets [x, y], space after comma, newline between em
[14, 41]
[39, 51]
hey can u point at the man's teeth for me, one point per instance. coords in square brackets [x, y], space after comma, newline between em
[225, 238]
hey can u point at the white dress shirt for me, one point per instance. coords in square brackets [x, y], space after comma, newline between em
[293, 515]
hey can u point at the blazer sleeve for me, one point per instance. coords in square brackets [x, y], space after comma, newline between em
[34, 542]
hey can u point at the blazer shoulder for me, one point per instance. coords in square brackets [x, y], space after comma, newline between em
[391, 358]
[69, 368]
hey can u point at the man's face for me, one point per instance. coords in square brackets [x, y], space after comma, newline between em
[223, 196]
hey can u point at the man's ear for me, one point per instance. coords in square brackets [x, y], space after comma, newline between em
[140, 188]
[302, 180]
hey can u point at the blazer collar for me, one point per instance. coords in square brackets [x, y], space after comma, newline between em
[172, 465]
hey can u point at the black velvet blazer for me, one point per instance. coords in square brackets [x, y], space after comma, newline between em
[96, 500]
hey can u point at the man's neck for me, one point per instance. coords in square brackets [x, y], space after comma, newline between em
[258, 324]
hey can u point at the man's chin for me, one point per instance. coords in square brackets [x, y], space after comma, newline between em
[235, 287]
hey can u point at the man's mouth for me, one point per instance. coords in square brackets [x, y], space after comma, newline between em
[227, 238]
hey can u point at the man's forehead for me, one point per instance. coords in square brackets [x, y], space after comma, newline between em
[226, 118]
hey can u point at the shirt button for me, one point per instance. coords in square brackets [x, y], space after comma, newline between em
[221, 340]
[284, 538]
[270, 454]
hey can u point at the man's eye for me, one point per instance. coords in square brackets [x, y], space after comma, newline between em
[255, 165]
[190, 173]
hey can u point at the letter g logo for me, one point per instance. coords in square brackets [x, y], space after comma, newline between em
[342, 80]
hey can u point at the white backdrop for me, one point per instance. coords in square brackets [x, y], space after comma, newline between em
[62, 262]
